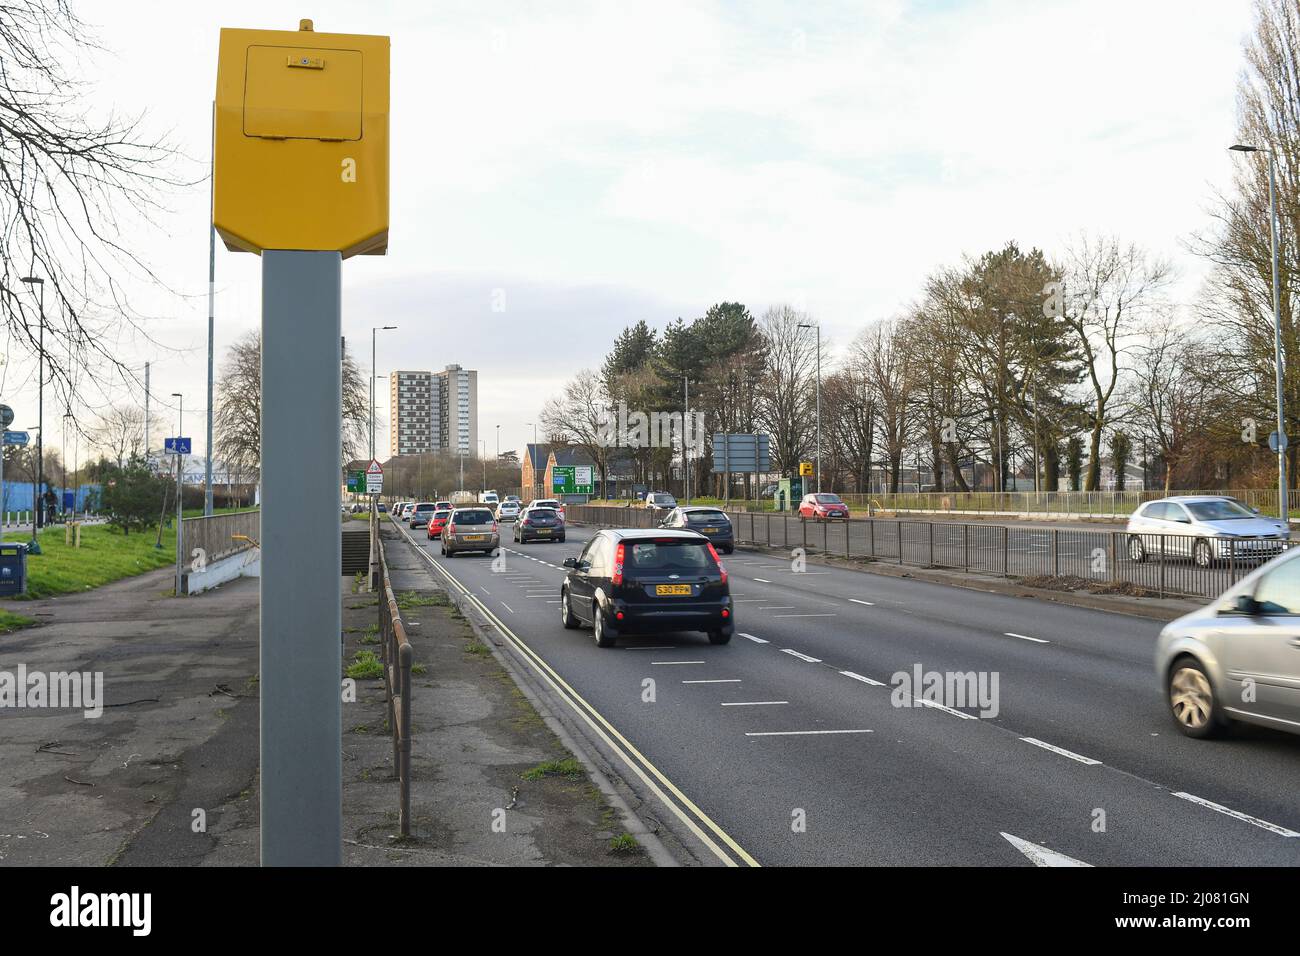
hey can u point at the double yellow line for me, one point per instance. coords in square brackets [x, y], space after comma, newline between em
[691, 816]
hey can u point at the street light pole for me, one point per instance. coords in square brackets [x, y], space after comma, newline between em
[532, 457]
[37, 510]
[180, 470]
[373, 330]
[1284, 509]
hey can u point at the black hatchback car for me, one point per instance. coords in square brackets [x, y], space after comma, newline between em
[710, 522]
[539, 524]
[640, 581]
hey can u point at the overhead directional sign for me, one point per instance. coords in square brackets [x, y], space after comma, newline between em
[176, 446]
[17, 438]
[572, 480]
[374, 478]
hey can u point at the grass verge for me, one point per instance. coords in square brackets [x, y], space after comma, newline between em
[105, 555]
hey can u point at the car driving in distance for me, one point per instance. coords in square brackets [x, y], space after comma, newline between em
[442, 505]
[1206, 528]
[822, 506]
[507, 510]
[553, 503]
[713, 523]
[469, 529]
[646, 581]
[539, 524]
[437, 521]
[1238, 658]
[418, 516]
[660, 501]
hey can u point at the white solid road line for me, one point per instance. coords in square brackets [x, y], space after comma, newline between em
[1238, 815]
[753, 703]
[947, 710]
[751, 637]
[1064, 753]
[725, 680]
[803, 657]
[803, 733]
[1026, 637]
[668, 663]
[1041, 855]
[867, 603]
[865, 680]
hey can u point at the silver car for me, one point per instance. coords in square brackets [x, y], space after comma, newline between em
[1239, 658]
[1204, 528]
[470, 529]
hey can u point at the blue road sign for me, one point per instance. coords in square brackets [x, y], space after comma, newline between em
[17, 438]
[177, 446]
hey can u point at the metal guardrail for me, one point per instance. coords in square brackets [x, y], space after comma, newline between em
[1080, 504]
[1164, 565]
[397, 658]
[221, 535]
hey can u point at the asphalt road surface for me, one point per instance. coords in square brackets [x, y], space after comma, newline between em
[790, 745]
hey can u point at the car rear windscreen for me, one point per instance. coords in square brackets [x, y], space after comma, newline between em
[706, 517]
[670, 555]
[425, 507]
[542, 513]
[473, 517]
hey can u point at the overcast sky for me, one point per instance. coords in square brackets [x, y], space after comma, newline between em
[606, 162]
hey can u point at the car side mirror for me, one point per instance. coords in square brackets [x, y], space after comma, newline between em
[1246, 604]
[570, 562]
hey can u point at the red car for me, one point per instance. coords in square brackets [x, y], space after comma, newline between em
[437, 521]
[823, 506]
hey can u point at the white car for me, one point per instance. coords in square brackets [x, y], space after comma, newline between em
[508, 511]
[660, 501]
[547, 503]
[1206, 528]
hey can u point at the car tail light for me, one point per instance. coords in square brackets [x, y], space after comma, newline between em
[717, 560]
[451, 529]
[726, 613]
[494, 527]
[527, 521]
[619, 553]
[618, 615]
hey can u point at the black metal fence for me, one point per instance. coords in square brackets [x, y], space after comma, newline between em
[397, 658]
[1163, 565]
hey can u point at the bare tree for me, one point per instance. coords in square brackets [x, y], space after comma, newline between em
[237, 418]
[580, 416]
[118, 432]
[880, 353]
[786, 393]
[74, 182]
[1109, 290]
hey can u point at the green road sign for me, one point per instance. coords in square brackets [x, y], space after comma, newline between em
[357, 482]
[572, 480]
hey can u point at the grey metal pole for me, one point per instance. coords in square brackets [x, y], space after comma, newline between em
[686, 459]
[146, 412]
[819, 407]
[38, 517]
[373, 333]
[180, 486]
[301, 654]
[1284, 509]
[212, 282]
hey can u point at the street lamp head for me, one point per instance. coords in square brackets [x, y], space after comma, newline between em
[33, 280]
[1241, 148]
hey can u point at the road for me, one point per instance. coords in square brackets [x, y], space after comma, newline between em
[795, 722]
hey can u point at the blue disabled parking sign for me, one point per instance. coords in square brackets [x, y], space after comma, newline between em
[176, 446]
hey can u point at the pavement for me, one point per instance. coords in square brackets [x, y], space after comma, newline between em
[801, 741]
[167, 775]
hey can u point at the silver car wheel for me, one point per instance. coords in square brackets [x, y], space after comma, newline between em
[1190, 698]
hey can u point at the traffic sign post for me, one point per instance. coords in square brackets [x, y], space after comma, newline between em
[374, 478]
[180, 447]
[300, 175]
[6, 419]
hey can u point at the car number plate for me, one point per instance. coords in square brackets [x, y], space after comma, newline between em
[672, 589]
[475, 537]
[543, 530]
[709, 530]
